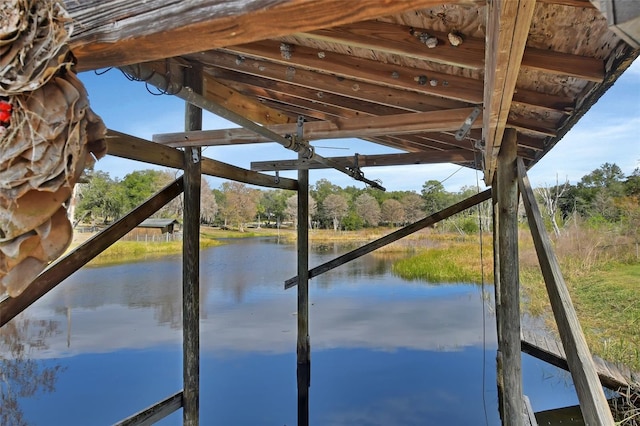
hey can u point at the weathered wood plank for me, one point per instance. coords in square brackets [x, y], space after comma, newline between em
[509, 344]
[380, 73]
[448, 120]
[120, 32]
[155, 413]
[345, 86]
[592, 400]
[530, 414]
[77, 258]
[507, 31]
[276, 77]
[191, 260]
[432, 157]
[550, 351]
[396, 39]
[394, 236]
[243, 105]
[134, 148]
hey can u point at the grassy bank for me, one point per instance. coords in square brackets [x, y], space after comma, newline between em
[603, 278]
[133, 251]
[451, 259]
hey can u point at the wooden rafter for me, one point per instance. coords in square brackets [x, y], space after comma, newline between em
[275, 77]
[396, 39]
[237, 102]
[339, 128]
[508, 25]
[362, 75]
[366, 70]
[433, 157]
[126, 32]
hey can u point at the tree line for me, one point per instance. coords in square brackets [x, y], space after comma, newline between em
[604, 195]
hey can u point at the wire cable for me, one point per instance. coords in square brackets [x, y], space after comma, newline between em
[484, 319]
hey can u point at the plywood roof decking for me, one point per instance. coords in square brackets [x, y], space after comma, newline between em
[533, 66]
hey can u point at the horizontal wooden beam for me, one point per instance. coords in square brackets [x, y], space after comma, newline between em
[155, 413]
[431, 157]
[339, 128]
[394, 236]
[416, 80]
[133, 148]
[122, 32]
[287, 79]
[63, 268]
[396, 39]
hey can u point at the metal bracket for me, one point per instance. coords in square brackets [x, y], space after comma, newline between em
[195, 155]
[468, 122]
[277, 177]
[298, 144]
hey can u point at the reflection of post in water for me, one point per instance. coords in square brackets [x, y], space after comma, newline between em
[68, 326]
[304, 381]
[303, 344]
[20, 375]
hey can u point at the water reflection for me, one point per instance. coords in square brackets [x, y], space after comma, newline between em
[382, 348]
[20, 375]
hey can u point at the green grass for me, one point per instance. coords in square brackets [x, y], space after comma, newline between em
[608, 305]
[454, 263]
[607, 300]
[133, 251]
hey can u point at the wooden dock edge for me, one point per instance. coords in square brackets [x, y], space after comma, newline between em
[612, 376]
[154, 413]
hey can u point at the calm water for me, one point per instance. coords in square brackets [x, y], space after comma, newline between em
[107, 343]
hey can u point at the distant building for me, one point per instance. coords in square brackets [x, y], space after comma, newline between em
[164, 225]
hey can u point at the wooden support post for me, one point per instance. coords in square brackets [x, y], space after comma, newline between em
[496, 289]
[593, 403]
[303, 344]
[508, 283]
[191, 261]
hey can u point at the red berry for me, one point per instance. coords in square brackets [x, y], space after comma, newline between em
[4, 117]
[5, 106]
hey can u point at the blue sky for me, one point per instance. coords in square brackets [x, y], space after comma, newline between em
[609, 132]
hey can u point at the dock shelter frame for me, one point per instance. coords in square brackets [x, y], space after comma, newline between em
[511, 87]
[589, 391]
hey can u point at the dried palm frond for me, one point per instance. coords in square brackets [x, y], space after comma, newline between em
[49, 136]
[33, 44]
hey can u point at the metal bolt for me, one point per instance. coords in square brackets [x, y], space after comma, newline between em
[421, 80]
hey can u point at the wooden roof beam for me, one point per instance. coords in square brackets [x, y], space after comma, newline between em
[302, 82]
[241, 104]
[391, 75]
[121, 32]
[434, 157]
[339, 128]
[396, 39]
[508, 23]
[363, 75]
